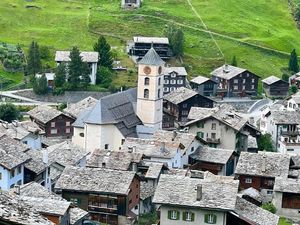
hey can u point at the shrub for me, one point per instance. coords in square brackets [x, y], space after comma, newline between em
[269, 207]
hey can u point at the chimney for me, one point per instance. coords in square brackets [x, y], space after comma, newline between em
[17, 190]
[15, 123]
[226, 68]
[174, 135]
[45, 156]
[199, 192]
[263, 166]
[133, 149]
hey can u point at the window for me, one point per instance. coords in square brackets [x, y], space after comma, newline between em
[12, 173]
[75, 201]
[146, 93]
[185, 112]
[235, 87]
[146, 81]
[213, 126]
[122, 141]
[68, 130]
[158, 93]
[159, 81]
[179, 81]
[173, 81]
[173, 74]
[106, 146]
[269, 192]
[244, 87]
[172, 88]
[252, 87]
[166, 89]
[81, 134]
[290, 150]
[192, 149]
[244, 81]
[247, 74]
[200, 125]
[0, 176]
[253, 80]
[173, 215]
[210, 219]
[235, 81]
[52, 124]
[19, 170]
[213, 135]
[200, 134]
[12, 186]
[248, 180]
[25, 142]
[184, 105]
[188, 216]
[68, 123]
[53, 131]
[166, 81]
[19, 182]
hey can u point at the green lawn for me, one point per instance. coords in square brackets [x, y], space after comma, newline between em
[283, 221]
[61, 24]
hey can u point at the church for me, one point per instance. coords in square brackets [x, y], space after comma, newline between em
[136, 112]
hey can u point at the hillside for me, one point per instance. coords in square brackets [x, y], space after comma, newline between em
[260, 33]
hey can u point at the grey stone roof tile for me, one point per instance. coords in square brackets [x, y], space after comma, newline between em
[44, 113]
[180, 95]
[152, 58]
[64, 56]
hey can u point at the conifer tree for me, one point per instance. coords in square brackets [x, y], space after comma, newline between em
[60, 76]
[75, 68]
[34, 59]
[234, 61]
[85, 77]
[105, 55]
[293, 63]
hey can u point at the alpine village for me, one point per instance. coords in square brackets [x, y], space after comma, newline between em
[174, 112]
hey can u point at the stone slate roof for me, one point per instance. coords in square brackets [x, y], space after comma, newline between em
[295, 97]
[118, 109]
[154, 169]
[35, 164]
[150, 40]
[96, 180]
[65, 153]
[40, 193]
[179, 70]
[77, 214]
[225, 113]
[75, 109]
[287, 185]
[218, 192]
[152, 58]
[212, 155]
[264, 164]
[19, 130]
[271, 80]
[152, 147]
[180, 95]
[118, 160]
[200, 80]
[227, 72]
[64, 56]
[251, 192]
[250, 212]
[147, 190]
[185, 139]
[44, 113]
[16, 211]
[12, 152]
[285, 117]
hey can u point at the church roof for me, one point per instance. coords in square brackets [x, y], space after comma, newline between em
[152, 58]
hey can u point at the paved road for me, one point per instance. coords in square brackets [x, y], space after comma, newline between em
[11, 94]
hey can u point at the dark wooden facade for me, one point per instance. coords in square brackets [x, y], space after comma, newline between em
[106, 207]
[241, 85]
[207, 88]
[290, 201]
[179, 113]
[140, 49]
[256, 182]
[173, 81]
[277, 89]
[59, 126]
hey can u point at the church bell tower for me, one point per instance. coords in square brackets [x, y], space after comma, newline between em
[150, 89]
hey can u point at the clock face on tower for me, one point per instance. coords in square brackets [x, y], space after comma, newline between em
[159, 70]
[147, 70]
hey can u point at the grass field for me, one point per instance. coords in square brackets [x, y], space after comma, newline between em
[259, 33]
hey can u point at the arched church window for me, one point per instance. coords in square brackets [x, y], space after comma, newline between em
[158, 93]
[146, 93]
[146, 81]
[159, 81]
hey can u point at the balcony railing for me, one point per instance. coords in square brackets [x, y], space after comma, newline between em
[290, 133]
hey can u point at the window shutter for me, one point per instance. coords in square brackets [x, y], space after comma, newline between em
[178, 215]
[214, 219]
[206, 218]
[169, 214]
[184, 216]
[192, 217]
[78, 200]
